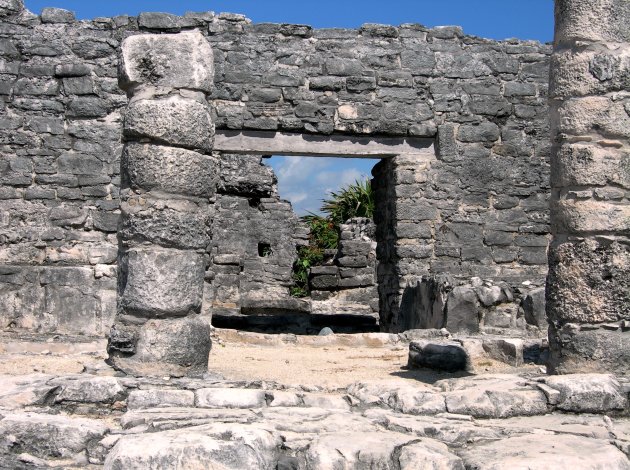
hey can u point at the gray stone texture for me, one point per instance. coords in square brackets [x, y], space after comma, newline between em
[175, 121]
[589, 261]
[183, 60]
[170, 170]
[462, 213]
[162, 282]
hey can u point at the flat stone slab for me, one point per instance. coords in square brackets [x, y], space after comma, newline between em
[543, 452]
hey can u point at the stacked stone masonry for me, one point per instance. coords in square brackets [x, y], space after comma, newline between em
[588, 295]
[479, 207]
[166, 214]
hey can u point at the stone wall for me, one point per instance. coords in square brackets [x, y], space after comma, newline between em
[478, 208]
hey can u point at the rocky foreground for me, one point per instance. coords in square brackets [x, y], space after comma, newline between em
[490, 421]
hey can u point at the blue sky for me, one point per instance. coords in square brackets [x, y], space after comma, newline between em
[302, 180]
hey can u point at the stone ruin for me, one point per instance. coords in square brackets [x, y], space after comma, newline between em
[135, 203]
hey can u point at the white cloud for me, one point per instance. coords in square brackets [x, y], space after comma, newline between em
[305, 181]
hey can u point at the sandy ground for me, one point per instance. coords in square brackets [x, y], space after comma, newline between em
[329, 362]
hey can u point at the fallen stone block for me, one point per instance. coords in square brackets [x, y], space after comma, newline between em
[447, 356]
[588, 393]
[509, 351]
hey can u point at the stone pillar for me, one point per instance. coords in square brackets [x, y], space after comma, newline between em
[168, 181]
[588, 287]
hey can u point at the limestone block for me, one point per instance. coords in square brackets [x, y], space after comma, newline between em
[582, 216]
[182, 343]
[10, 7]
[162, 282]
[230, 398]
[57, 15]
[484, 132]
[462, 310]
[588, 20]
[588, 282]
[139, 399]
[574, 349]
[45, 435]
[588, 393]
[534, 308]
[589, 72]
[173, 121]
[168, 223]
[183, 60]
[541, 452]
[89, 390]
[169, 169]
[508, 350]
[580, 116]
[589, 165]
[370, 449]
[220, 446]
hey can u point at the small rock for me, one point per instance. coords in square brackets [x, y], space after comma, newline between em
[326, 332]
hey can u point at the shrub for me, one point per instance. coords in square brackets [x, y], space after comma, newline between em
[356, 200]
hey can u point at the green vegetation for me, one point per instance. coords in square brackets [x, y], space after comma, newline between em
[356, 200]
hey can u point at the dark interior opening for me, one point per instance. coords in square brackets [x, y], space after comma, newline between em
[264, 250]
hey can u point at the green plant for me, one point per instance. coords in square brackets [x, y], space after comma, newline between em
[308, 256]
[355, 200]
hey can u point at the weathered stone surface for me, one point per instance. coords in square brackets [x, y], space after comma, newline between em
[57, 15]
[588, 21]
[140, 399]
[229, 398]
[183, 60]
[45, 435]
[498, 396]
[89, 390]
[168, 223]
[589, 282]
[377, 450]
[534, 308]
[220, 446]
[509, 351]
[164, 282]
[588, 393]
[447, 356]
[10, 7]
[543, 451]
[462, 310]
[173, 346]
[173, 121]
[169, 169]
[413, 398]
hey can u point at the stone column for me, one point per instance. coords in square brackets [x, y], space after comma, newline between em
[168, 181]
[588, 287]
